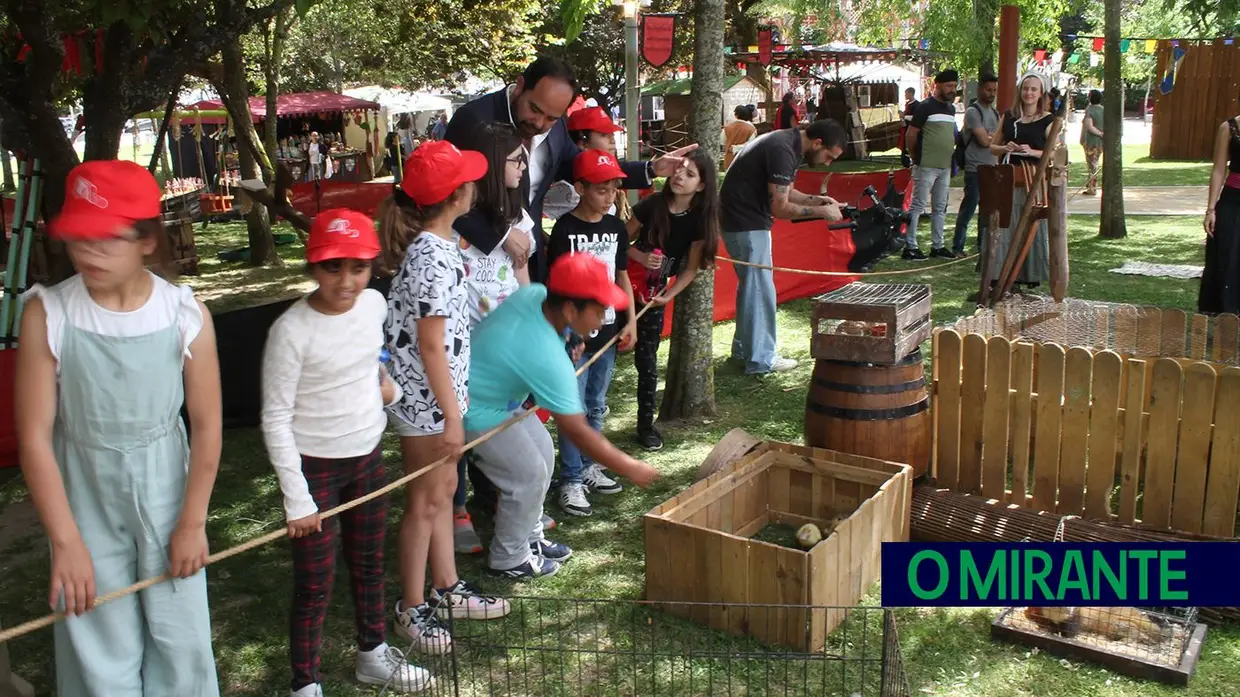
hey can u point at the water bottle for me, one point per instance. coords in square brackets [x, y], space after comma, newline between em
[654, 277]
[384, 356]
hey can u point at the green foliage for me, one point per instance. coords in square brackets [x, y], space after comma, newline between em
[573, 14]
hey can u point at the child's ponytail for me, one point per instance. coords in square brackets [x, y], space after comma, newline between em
[400, 220]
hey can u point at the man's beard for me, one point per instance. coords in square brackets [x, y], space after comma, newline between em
[527, 130]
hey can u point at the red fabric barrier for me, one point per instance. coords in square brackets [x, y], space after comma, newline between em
[363, 197]
[8, 427]
[805, 245]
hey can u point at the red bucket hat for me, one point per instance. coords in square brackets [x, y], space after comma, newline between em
[438, 168]
[102, 196]
[592, 119]
[596, 167]
[341, 233]
[583, 276]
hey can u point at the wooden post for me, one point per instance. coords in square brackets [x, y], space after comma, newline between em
[1009, 46]
[1057, 234]
[11, 685]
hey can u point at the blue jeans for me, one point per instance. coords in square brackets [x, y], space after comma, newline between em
[968, 206]
[929, 190]
[592, 386]
[754, 340]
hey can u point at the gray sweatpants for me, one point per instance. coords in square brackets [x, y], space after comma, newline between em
[519, 461]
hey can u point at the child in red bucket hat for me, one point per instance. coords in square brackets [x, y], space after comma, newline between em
[591, 129]
[106, 360]
[589, 229]
[324, 392]
[427, 334]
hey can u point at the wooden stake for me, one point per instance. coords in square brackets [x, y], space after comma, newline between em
[1058, 237]
[11, 685]
[988, 260]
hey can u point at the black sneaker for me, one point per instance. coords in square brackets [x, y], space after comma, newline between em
[913, 255]
[941, 253]
[650, 438]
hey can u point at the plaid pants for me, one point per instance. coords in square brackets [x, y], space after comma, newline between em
[646, 360]
[332, 482]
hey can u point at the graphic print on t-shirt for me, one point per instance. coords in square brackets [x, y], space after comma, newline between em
[608, 241]
[430, 283]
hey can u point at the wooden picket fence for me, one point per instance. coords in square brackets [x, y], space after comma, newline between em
[1090, 432]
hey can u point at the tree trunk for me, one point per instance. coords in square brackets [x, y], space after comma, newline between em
[271, 70]
[690, 385]
[235, 94]
[8, 167]
[1112, 224]
[986, 15]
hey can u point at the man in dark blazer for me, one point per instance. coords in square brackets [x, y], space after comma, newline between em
[535, 105]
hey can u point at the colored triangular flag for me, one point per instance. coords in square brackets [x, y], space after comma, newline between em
[1228, 42]
[1039, 55]
[1099, 43]
[1168, 82]
[1123, 45]
[1095, 60]
[1074, 59]
[1151, 45]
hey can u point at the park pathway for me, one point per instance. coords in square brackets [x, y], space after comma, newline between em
[1138, 200]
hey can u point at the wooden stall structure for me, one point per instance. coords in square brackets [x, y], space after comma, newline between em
[672, 131]
[699, 547]
[1205, 93]
[1110, 432]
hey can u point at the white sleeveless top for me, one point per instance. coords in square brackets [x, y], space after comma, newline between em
[69, 301]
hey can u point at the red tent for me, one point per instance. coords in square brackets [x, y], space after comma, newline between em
[300, 104]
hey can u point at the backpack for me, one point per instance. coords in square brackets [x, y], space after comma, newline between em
[962, 143]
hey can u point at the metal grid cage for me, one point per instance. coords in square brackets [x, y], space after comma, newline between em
[553, 647]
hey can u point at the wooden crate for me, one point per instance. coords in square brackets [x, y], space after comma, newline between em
[871, 322]
[182, 250]
[698, 546]
[1090, 433]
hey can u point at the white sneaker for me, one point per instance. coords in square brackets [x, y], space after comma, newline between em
[573, 499]
[463, 601]
[421, 626]
[596, 479]
[782, 364]
[386, 665]
[311, 690]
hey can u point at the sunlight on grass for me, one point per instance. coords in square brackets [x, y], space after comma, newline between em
[947, 652]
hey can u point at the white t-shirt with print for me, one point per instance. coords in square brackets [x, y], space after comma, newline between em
[429, 283]
[491, 278]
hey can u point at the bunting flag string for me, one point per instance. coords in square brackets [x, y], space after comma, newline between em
[1168, 82]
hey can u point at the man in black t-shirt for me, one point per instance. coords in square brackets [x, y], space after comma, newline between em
[588, 229]
[756, 188]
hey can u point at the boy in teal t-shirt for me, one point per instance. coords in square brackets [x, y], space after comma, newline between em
[519, 350]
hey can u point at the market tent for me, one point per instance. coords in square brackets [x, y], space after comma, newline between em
[395, 101]
[297, 104]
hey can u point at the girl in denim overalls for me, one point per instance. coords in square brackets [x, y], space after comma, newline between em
[106, 360]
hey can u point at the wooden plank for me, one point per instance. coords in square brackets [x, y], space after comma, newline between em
[1223, 484]
[1197, 336]
[1174, 328]
[1196, 419]
[734, 586]
[1103, 417]
[840, 469]
[1022, 409]
[1049, 411]
[1125, 323]
[844, 573]
[778, 575]
[752, 527]
[1227, 339]
[1163, 437]
[1149, 331]
[780, 486]
[710, 571]
[1078, 366]
[800, 491]
[947, 408]
[995, 417]
[972, 401]
[824, 563]
[1134, 442]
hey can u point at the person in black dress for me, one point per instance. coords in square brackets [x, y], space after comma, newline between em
[1220, 281]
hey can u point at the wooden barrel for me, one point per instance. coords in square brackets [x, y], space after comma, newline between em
[880, 411]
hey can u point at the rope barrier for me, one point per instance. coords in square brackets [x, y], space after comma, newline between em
[54, 617]
[809, 272]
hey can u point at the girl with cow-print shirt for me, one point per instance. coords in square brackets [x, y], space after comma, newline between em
[427, 336]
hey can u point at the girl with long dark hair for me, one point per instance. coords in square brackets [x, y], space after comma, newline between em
[675, 233]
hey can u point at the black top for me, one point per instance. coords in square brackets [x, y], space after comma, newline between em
[772, 158]
[1032, 134]
[685, 228]
[1233, 146]
[785, 117]
[608, 241]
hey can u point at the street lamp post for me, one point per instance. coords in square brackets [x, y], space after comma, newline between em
[632, 87]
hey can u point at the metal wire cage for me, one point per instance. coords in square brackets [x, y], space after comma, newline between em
[553, 647]
[1160, 643]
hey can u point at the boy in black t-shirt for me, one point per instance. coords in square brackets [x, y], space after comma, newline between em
[588, 229]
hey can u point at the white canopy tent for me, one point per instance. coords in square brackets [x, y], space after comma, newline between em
[393, 102]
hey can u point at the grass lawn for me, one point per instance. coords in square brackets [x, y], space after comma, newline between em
[946, 651]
